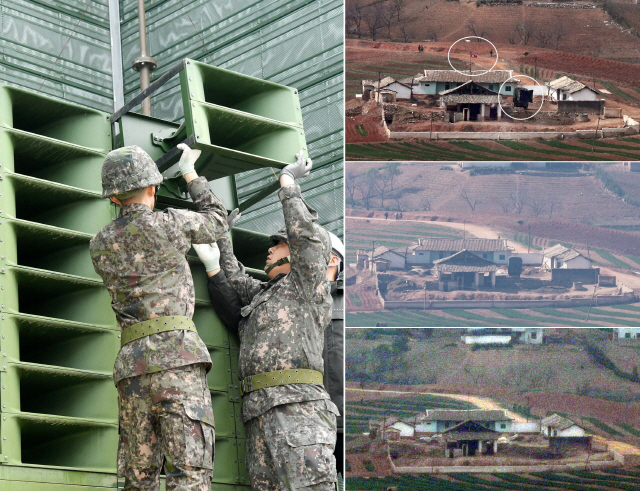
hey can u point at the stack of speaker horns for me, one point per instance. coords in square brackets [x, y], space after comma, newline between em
[58, 335]
[239, 122]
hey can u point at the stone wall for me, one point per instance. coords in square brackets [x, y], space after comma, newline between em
[585, 107]
[586, 276]
[599, 300]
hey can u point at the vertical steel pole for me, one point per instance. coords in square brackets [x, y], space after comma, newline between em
[144, 64]
[116, 54]
[145, 78]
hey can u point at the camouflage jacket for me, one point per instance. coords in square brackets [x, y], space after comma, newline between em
[283, 320]
[141, 259]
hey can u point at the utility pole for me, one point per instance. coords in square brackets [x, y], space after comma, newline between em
[379, 82]
[595, 137]
[535, 71]
[529, 241]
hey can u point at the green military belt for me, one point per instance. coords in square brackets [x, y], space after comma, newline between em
[280, 377]
[154, 326]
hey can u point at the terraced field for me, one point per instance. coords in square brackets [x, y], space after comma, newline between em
[611, 479]
[619, 315]
[627, 148]
[360, 412]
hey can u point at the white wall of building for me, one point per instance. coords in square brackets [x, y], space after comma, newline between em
[404, 429]
[530, 427]
[488, 339]
[529, 259]
[402, 91]
[572, 431]
[397, 261]
[579, 262]
[628, 332]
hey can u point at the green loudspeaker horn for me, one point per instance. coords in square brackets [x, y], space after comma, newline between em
[239, 122]
[45, 116]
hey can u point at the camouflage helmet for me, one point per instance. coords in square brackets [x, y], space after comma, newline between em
[126, 171]
[323, 235]
[280, 236]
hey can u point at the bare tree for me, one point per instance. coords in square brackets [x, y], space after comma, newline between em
[383, 183]
[398, 7]
[559, 31]
[392, 171]
[399, 202]
[405, 30]
[505, 205]
[525, 30]
[367, 186]
[538, 206]
[350, 185]
[476, 30]
[432, 32]
[544, 37]
[472, 202]
[425, 203]
[519, 200]
[373, 19]
[387, 17]
[354, 16]
[512, 37]
[552, 205]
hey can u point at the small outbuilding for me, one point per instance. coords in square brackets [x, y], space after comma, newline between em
[561, 431]
[567, 89]
[559, 256]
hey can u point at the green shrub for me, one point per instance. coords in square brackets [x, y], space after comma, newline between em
[369, 466]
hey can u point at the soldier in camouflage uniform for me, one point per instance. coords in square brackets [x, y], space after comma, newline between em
[160, 371]
[291, 423]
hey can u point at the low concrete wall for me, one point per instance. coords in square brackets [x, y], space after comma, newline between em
[496, 135]
[509, 304]
[506, 468]
[604, 280]
[586, 107]
[612, 112]
[614, 132]
[586, 276]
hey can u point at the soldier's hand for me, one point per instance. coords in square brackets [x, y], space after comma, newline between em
[233, 217]
[188, 159]
[300, 169]
[209, 254]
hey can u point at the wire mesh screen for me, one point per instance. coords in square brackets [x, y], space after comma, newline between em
[34, 34]
[297, 43]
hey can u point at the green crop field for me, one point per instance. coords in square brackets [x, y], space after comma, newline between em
[610, 149]
[613, 479]
[620, 315]
[612, 259]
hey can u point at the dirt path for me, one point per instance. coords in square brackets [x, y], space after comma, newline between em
[480, 231]
[480, 402]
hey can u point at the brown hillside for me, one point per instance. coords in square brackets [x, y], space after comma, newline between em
[588, 31]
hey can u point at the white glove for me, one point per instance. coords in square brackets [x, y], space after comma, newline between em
[209, 254]
[188, 158]
[299, 169]
[233, 217]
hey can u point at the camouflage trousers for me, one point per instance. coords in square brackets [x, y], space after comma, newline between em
[290, 447]
[166, 416]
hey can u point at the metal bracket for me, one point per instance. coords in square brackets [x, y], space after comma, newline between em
[163, 79]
